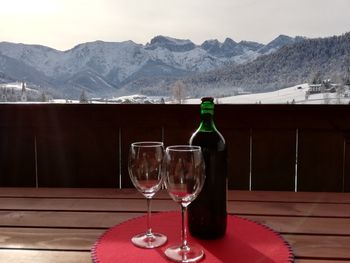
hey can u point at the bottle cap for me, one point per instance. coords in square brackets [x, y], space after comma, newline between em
[211, 99]
[207, 105]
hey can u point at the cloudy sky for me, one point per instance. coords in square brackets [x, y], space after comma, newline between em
[62, 24]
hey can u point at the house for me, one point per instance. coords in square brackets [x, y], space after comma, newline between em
[315, 88]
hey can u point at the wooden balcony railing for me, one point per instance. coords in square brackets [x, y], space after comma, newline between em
[270, 147]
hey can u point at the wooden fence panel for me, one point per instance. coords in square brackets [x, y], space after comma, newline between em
[17, 157]
[346, 181]
[178, 135]
[238, 158]
[320, 160]
[180, 123]
[78, 157]
[80, 145]
[273, 159]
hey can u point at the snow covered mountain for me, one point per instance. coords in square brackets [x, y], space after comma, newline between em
[230, 48]
[172, 44]
[328, 58]
[119, 68]
[277, 43]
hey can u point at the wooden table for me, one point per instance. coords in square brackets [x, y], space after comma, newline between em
[61, 225]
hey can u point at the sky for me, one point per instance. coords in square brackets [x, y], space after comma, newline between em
[63, 24]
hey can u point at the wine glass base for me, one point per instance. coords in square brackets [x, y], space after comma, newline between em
[145, 240]
[193, 253]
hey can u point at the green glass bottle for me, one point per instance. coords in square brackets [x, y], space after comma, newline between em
[207, 214]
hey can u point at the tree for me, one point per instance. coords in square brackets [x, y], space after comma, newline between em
[340, 90]
[326, 98]
[3, 95]
[316, 78]
[307, 94]
[83, 98]
[179, 91]
[346, 78]
[43, 97]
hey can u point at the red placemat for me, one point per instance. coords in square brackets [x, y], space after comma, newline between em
[245, 242]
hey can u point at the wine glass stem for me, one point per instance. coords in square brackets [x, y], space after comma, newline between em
[149, 229]
[184, 245]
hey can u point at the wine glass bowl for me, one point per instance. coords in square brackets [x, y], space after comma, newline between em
[145, 161]
[145, 170]
[184, 171]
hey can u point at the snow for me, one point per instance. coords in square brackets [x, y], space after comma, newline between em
[54, 63]
[292, 95]
[178, 41]
[136, 98]
[195, 59]
[248, 55]
[121, 58]
[295, 94]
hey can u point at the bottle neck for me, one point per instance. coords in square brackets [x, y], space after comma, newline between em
[207, 123]
[207, 116]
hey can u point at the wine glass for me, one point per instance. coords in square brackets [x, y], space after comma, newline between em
[184, 178]
[145, 170]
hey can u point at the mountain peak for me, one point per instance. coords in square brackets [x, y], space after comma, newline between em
[228, 48]
[251, 45]
[211, 44]
[100, 43]
[278, 42]
[282, 36]
[172, 44]
[229, 42]
[166, 39]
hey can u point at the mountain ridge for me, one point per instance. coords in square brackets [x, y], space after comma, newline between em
[115, 68]
[288, 66]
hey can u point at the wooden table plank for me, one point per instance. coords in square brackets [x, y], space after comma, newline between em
[40, 256]
[289, 209]
[62, 224]
[64, 219]
[233, 195]
[49, 238]
[328, 247]
[304, 246]
[139, 205]
[299, 197]
[305, 225]
[56, 204]
[95, 193]
[299, 225]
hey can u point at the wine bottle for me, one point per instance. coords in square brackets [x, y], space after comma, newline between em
[207, 214]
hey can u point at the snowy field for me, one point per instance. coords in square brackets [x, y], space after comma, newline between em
[292, 95]
[296, 94]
